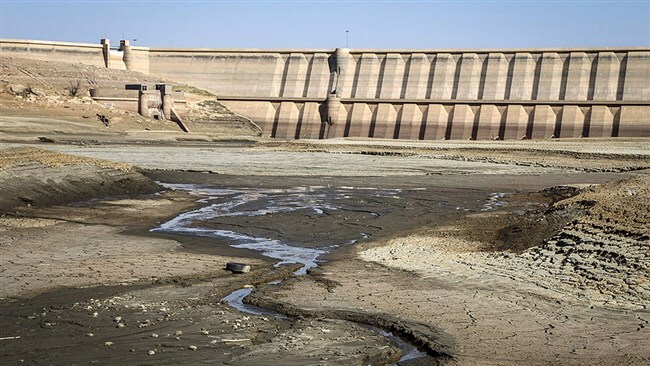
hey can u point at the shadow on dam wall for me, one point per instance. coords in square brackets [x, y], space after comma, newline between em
[401, 94]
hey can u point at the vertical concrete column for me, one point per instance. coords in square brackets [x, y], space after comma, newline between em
[443, 76]
[418, 77]
[634, 121]
[577, 83]
[288, 120]
[272, 86]
[489, 122]
[392, 77]
[311, 123]
[462, 122]
[366, 85]
[296, 76]
[410, 122]
[106, 52]
[550, 77]
[637, 77]
[469, 77]
[516, 123]
[572, 121]
[319, 76]
[601, 122]
[143, 102]
[167, 99]
[360, 120]
[127, 54]
[523, 76]
[385, 121]
[345, 69]
[436, 120]
[607, 73]
[496, 77]
[544, 119]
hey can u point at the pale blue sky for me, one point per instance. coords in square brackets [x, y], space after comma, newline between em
[322, 24]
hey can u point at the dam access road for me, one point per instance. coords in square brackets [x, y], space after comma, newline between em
[478, 256]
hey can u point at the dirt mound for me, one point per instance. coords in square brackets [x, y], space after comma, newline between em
[34, 177]
[211, 116]
[600, 256]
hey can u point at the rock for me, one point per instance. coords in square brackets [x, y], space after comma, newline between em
[45, 139]
[90, 335]
[193, 348]
[238, 267]
[151, 352]
[117, 319]
[18, 89]
[108, 344]
[205, 332]
[178, 333]
[120, 325]
[154, 335]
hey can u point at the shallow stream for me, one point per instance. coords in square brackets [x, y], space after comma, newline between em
[225, 210]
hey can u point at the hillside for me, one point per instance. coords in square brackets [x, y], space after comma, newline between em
[52, 99]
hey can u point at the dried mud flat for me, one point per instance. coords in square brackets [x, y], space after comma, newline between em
[556, 276]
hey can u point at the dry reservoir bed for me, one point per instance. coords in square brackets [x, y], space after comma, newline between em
[437, 259]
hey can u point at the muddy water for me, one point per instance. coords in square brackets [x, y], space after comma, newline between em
[230, 215]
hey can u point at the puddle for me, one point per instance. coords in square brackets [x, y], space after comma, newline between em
[494, 201]
[410, 352]
[236, 300]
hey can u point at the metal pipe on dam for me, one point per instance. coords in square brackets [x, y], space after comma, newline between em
[412, 94]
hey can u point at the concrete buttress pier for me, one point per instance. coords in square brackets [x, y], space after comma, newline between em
[399, 93]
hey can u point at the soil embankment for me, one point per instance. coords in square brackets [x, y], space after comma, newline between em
[35, 177]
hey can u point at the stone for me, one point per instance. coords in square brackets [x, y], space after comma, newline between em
[238, 267]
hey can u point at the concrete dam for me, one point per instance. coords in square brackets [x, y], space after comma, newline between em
[401, 94]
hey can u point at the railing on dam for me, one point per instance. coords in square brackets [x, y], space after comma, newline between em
[421, 94]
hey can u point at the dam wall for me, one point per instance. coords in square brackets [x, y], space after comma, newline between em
[429, 95]
[420, 94]
[84, 53]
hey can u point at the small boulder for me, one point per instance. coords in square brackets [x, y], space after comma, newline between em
[18, 89]
[238, 267]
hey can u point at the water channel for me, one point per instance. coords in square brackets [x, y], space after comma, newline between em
[224, 209]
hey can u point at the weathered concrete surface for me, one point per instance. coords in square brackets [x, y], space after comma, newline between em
[272, 87]
[573, 82]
